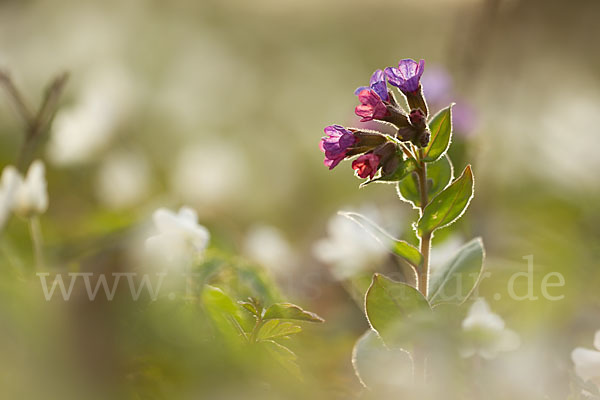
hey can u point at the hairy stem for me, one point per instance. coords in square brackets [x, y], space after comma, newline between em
[425, 239]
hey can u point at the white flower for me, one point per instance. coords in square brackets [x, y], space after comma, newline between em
[122, 180]
[267, 246]
[587, 362]
[485, 333]
[8, 184]
[24, 196]
[349, 248]
[180, 237]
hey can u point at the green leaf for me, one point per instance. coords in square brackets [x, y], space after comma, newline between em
[223, 311]
[249, 307]
[439, 174]
[408, 252]
[440, 127]
[398, 247]
[449, 205]
[377, 366]
[283, 355]
[393, 306]
[290, 311]
[455, 281]
[274, 328]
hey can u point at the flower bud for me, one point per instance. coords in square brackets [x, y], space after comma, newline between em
[366, 165]
[416, 100]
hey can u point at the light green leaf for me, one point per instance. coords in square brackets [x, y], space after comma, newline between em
[378, 366]
[455, 281]
[392, 306]
[290, 311]
[440, 127]
[398, 247]
[274, 328]
[408, 252]
[224, 313]
[439, 174]
[283, 355]
[449, 205]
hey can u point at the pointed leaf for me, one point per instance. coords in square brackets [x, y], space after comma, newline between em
[440, 127]
[290, 311]
[408, 252]
[398, 247]
[283, 355]
[223, 311]
[391, 306]
[439, 174]
[455, 281]
[377, 366]
[449, 205]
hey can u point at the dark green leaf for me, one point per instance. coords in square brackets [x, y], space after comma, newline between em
[439, 174]
[290, 311]
[405, 168]
[455, 281]
[440, 127]
[449, 205]
[391, 306]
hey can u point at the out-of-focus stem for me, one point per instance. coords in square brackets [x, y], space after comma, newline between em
[35, 231]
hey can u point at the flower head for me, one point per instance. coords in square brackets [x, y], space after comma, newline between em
[486, 333]
[179, 237]
[587, 362]
[407, 76]
[372, 107]
[376, 84]
[25, 196]
[366, 165]
[336, 144]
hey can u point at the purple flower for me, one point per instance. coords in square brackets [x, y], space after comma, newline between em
[336, 144]
[366, 165]
[372, 106]
[407, 76]
[377, 84]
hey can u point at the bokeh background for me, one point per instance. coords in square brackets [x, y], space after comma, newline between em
[220, 105]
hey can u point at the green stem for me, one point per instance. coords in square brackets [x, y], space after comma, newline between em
[36, 237]
[425, 239]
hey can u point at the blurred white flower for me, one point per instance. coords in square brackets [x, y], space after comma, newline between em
[587, 362]
[9, 182]
[209, 173]
[82, 130]
[267, 246]
[349, 248]
[123, 179]
[486, 335]
[31, 196]
[180, 238]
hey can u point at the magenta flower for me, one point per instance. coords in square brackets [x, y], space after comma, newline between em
[336, 144]
[377, 84]
[366, 165]
[407, 76]
[372, 107]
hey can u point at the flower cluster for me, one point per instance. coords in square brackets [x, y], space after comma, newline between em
[376, 151]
